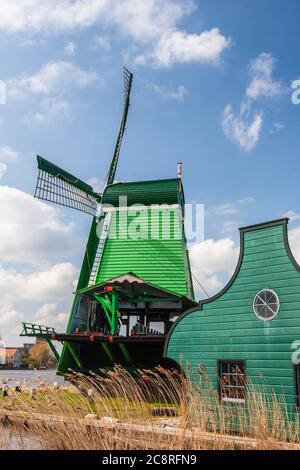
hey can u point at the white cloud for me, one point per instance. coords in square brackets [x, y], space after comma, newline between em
[151, 24]
[70, 49]
[177, 94]
[30, 230]
[263, 83]
[294, 240]
[32, 236]
[214, 261]
[8, 154]
[52, 77]
[47, 315]
[21, 291]
[240, 129]
[181, 47]
[9, 317]
[144, 20]
[293, 216]
[245, 128]
[230, 226]
[277, 127]
[211, 260]
[3, 169]
[96, 183]
[223, 209]
[247, 200]
[101, 42]
[51, 108]
[44, 284]
[54, 15]
[229, 208]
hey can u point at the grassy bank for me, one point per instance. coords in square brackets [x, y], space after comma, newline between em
[155, 409]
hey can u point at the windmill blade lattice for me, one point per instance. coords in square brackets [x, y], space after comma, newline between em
[60, 187]
[128, 77]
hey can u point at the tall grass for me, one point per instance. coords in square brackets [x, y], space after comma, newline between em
[145, 409]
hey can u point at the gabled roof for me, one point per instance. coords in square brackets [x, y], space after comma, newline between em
[137, 284]
[246, 231]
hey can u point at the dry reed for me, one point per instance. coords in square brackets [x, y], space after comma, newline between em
[146, 409]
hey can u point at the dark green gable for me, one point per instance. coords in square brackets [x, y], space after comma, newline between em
[225, 326]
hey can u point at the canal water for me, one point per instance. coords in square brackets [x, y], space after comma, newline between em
[31, 378]
[10, 440]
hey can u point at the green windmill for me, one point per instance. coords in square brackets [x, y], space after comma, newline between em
[135, 279]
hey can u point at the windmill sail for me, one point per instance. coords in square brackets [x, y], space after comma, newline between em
[128, 77]
[60, 187]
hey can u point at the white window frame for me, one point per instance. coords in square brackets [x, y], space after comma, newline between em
[277, 299]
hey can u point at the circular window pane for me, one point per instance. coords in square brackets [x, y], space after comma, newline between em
[266, 304]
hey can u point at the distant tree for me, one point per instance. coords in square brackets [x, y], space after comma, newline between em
[25, 359]
[40, 356]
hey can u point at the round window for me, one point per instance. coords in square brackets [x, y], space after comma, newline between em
[266, 304]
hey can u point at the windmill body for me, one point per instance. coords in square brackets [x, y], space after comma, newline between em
[135, 278]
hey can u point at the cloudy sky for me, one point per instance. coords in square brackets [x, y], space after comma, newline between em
[212, 88]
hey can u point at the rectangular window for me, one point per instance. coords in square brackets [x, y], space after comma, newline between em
[232, 381]
[297, 384]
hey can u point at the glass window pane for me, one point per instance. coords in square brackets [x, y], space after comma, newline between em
[232, 383]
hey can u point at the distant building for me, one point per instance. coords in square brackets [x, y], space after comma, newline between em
[13, 356]
[25, 349]
[2, 352]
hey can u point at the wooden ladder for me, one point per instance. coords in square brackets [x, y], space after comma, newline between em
[99, 252]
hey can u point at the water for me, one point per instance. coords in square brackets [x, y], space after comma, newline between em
[10, 439]
[31, 378]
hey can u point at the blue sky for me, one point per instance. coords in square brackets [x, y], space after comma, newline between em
[212, 88]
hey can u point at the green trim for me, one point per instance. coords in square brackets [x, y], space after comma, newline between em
[110, 309]
[108, 351]
[74, 305]
[125, 352]
[63, 361]
[271, 223]
[187, 267]
[74, 354]
[105, 307]
[89, 257]
[53, 349]
[35, 330]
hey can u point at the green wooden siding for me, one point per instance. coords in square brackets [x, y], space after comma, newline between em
[161, 260]
[227, 328]
[158, 259]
